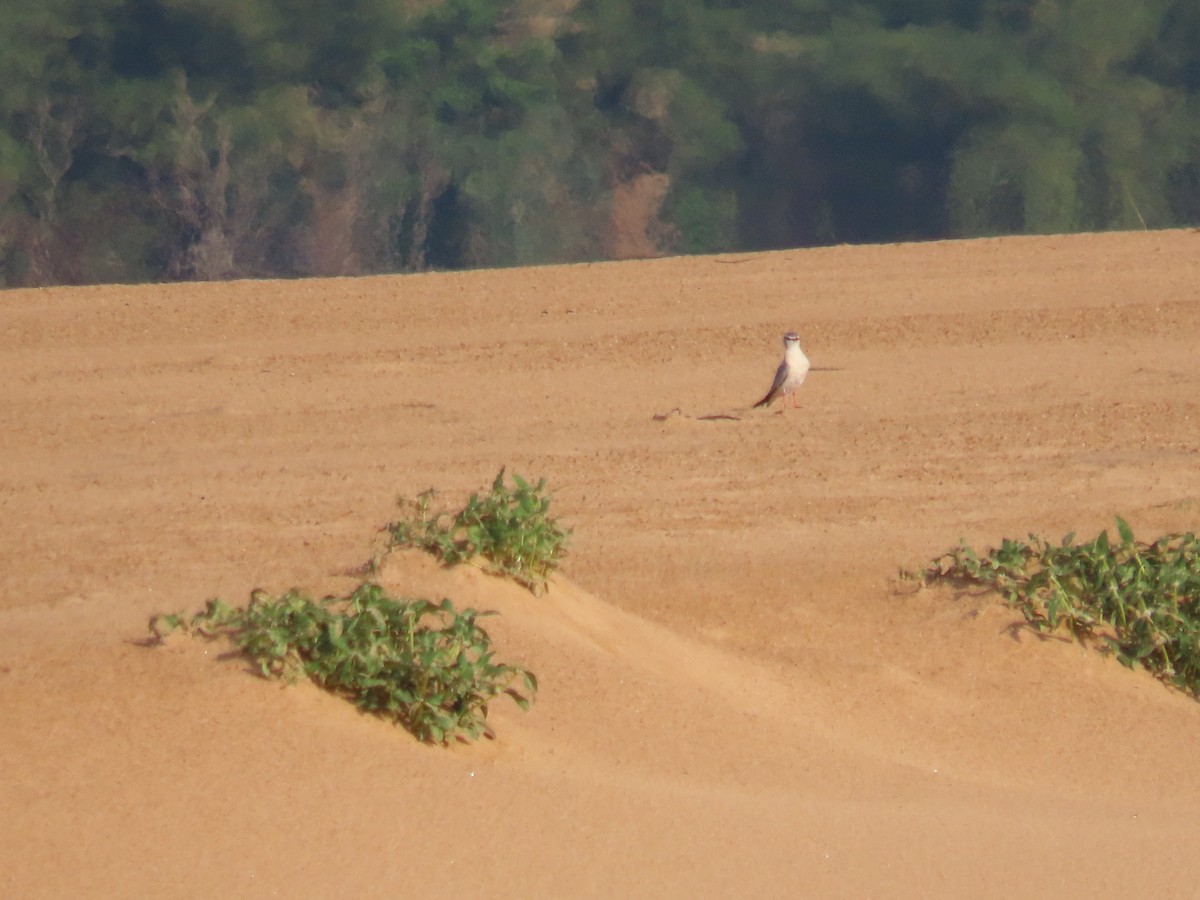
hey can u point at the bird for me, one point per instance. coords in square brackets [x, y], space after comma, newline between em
[790, 374]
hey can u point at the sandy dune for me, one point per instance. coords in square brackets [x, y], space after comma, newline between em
[739, 698]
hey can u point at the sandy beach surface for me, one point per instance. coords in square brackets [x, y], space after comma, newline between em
[739, 697]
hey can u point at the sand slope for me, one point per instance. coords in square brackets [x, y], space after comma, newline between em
[738, 696]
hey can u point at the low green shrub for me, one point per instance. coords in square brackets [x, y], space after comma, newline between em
[426, 666]
[507, 531]
[1142, 599]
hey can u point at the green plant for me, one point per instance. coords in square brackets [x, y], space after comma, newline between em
[426, 666]
[509, 531]
[1142, 599]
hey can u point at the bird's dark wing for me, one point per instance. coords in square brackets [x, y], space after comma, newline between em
[780, 375]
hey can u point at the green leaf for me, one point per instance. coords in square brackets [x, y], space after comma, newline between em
[1125, 530]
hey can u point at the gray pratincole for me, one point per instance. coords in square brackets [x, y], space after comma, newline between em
[791, 372]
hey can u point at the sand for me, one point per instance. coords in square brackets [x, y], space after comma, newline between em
[739, 697]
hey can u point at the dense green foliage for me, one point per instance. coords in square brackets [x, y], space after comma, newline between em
[173, 139]
[1143, 598]
[427, 667]
[508, 531]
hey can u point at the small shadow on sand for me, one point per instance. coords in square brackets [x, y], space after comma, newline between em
[735, 416]
[678, 413]
[1016, 629]
[985, 598]
[362, 571]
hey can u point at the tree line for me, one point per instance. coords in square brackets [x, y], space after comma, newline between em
[145, 140]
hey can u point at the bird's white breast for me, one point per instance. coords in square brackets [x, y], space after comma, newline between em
[797, 363]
